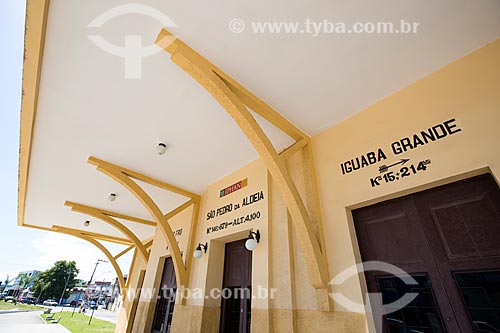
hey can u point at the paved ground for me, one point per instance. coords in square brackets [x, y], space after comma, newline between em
[27, 322]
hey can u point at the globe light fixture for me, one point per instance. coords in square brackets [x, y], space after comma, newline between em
[252, 240]
[161, 148]
[198, 253]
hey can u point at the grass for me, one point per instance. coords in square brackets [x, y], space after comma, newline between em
[80, 323]
[11, 306]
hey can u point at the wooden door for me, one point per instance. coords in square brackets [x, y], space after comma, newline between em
[166, 299]
[237, 283]
[448, 239]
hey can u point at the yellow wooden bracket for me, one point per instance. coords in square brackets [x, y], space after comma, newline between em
[98, 214]
[172, 44]
[149, 243]
[296, 147]
[125, 177]
[100, 164]
[119, 255]
[235, 99]
[102, 237]
[112, 260]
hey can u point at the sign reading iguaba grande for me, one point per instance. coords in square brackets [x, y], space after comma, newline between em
[416, 140]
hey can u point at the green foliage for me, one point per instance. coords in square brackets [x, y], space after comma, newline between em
[24, 280]
[80, 323]
[11, 306]
[50, 283]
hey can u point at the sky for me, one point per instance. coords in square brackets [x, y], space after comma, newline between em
[23, 249]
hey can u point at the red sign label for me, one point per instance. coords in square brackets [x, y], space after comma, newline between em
[233, 188]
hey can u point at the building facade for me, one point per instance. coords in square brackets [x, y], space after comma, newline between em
[385, 221]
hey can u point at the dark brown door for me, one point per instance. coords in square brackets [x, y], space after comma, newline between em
[237, 286]
[166, 299]
[448, 239]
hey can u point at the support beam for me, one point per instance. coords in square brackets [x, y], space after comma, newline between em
[296, 147]
[96, 213]
[127, 217]
[121, 254]
[170, 43]
[141, 177]
[192, 233]
[222, 89]
[124, 177]
[179, 209]
[149, 243]
[102, 237]
[101, 247]
[130, 270]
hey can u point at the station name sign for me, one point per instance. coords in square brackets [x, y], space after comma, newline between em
[416, 140]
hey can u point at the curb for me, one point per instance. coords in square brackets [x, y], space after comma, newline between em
[16, 311]
[43, 320]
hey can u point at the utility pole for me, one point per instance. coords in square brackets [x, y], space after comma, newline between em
[86, 298]
[97, 263]
[64, 290]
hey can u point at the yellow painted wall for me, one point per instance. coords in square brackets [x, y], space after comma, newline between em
[212, 263]
[467, 90]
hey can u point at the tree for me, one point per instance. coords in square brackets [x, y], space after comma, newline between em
[23, 281]
[52, 282]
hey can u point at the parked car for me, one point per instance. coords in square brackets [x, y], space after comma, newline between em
[50, 302]
[28, 300]
[10, 299]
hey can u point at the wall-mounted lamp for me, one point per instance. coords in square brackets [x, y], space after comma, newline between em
[86, 223]
[198, 253]
[112, 197]
[252, 240]
[161, 148]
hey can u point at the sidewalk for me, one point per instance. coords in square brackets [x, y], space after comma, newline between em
[28, 322]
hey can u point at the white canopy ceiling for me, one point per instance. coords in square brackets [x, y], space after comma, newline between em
[87, 107]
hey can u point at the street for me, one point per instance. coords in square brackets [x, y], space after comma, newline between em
[104, 315]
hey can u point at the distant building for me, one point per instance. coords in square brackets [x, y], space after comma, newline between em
[15, 284]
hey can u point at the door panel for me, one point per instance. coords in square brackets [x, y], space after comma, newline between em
[236, 310]
[438, 232]
[166, 299]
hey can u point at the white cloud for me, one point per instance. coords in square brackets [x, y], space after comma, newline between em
[54, 247]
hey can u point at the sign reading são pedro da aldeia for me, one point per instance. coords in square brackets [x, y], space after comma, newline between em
[401, 169]
[244, 208]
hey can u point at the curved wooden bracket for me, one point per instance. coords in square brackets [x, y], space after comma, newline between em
[124, 177]
[234, 99]
[105, 238]
[101, 247]
[98, 214]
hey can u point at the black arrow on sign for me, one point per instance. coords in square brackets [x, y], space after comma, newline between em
[384, 168]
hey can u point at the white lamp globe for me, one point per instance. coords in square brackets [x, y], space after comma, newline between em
[161, 148]
[197, 254]
[251, 244]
